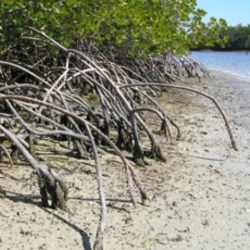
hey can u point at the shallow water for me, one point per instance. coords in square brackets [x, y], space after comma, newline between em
[237, 63]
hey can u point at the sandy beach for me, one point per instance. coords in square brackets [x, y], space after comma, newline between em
[200, 197]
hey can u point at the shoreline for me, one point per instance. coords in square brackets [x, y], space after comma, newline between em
[236, 63]
[228, 72]
[199, 197]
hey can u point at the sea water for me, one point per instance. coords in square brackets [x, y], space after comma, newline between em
[237, 63]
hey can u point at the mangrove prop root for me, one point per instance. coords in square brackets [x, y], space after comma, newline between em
[88, 101]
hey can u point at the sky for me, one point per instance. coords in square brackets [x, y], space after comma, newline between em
[233, 11]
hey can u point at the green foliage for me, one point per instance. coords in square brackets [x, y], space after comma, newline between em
[136, 27]
[235, 38]
[239, 38]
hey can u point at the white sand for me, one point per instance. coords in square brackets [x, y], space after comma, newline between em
[200, 198]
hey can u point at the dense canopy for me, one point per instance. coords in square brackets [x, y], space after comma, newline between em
[238, 38]
[137, 27]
